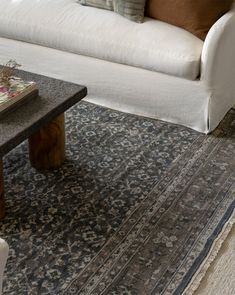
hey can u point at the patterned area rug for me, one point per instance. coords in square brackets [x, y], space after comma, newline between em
[134, 210]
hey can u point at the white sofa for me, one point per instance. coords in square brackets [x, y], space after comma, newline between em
[152, 69]
[3, 258]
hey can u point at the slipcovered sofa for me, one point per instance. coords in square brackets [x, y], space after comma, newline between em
[152, 69]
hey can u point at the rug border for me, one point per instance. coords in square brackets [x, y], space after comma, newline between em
[198, 270]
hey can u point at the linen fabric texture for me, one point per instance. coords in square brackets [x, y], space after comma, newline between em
[196, 16]
[132, 9]
[65, 25]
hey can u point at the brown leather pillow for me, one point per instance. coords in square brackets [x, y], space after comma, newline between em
[196, 16]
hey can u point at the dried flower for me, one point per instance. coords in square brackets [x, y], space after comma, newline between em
[8, 71]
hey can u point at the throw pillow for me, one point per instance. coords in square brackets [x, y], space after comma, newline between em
[131, 9]
[196, 16]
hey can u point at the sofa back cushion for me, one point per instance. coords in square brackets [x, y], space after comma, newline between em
[196, 16]
[131, 9]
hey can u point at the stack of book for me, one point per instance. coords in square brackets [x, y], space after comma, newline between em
[15, 93]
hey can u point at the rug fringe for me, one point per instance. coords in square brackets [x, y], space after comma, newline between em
[202, 271]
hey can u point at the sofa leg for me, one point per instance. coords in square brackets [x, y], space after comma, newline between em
[2, 200]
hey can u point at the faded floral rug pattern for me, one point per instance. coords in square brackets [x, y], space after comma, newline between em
[134, 209]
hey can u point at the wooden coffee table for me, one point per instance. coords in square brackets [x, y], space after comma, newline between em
[41, 121]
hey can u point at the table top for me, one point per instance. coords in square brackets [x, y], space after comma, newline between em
[55, 97]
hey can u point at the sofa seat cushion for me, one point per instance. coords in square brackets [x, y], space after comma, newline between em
[69, 26]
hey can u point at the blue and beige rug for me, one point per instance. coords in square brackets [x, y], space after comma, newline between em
[135, 210]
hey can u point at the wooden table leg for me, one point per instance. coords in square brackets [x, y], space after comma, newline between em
[47, 146]
[2, 201]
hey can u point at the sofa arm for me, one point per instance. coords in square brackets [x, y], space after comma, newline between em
[4, 249]
[218, 58]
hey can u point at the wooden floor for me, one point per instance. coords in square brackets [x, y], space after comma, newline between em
[220, 278]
